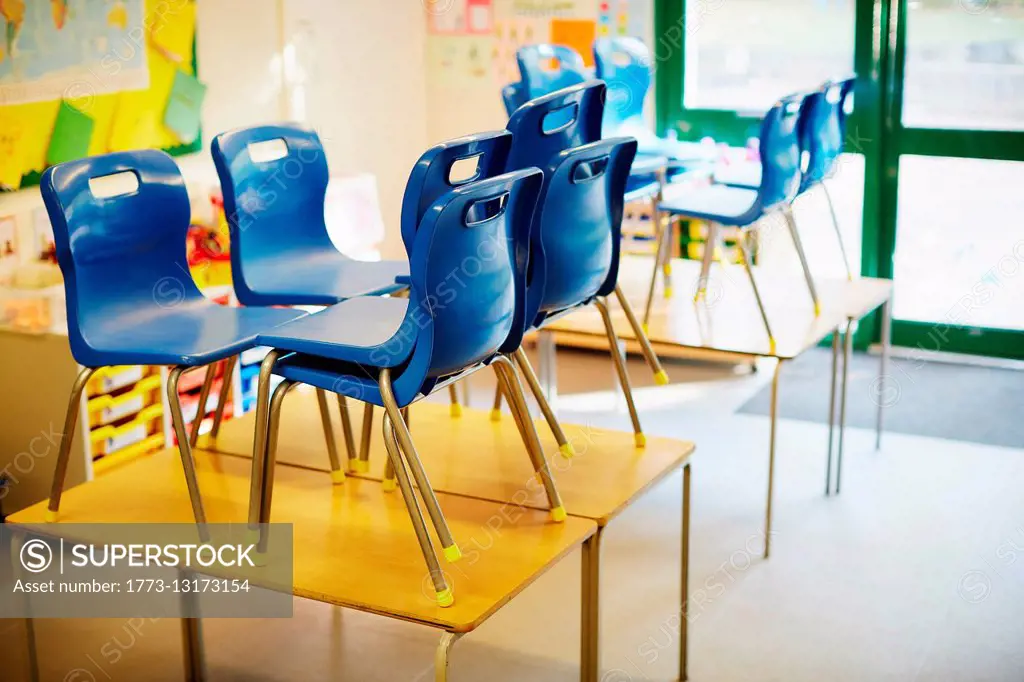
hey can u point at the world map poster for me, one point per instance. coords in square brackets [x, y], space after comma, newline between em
[71, 49]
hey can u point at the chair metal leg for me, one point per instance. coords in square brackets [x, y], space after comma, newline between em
[620, 368]
[263, 503]
[774, 422]
[456, 406]
[192, 646]
[441, 589]
[496, 408]
[448, 547]
[346, 428]
[650, 356]
[839, 232]
[684, 563]
[337, 471]
[787, 212]
[259, 442]
[444, 648]
[710, 244]
[185, 449]
[362, 465]
[226, 388]
[517, 403]
[832, 410]
[660, 238]
[847, 349]
[204, 396]
[70, 422]
[564, 446]
[757, 294]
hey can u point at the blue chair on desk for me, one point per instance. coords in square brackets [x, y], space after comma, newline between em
[390, 352]
[513, 96]
[119, 224]
[742, 207]
[274, 180]
[576, 238]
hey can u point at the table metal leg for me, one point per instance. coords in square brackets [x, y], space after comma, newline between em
[883, 368]
[774, 417]
[448, 640]
[192, 637]
[847, 348]
[590, 609]
[546, 367]
[832, 410]
[684, 585]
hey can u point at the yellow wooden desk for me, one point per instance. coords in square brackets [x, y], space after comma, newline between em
[353, 544]
[726, 326]
[474, 457]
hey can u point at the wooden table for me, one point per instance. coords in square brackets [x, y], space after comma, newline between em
[353, 544]
[726, 325]
[474, 457]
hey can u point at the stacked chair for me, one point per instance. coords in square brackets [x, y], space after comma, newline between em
[274, 179]
[822, 137]
[130, 297]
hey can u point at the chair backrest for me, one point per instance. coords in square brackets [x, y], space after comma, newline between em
[780, 153]
[514, 96]
[576, 234]
[468, 269]
[274, 180]
[823, 129]
[623, 63]
[432, 176]
[119, 225]
[544, 68]
[550, 124]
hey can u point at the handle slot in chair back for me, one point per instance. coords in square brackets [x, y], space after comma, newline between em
[534, 146]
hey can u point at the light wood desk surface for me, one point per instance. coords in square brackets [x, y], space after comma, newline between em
[354, 544]
[475, 457]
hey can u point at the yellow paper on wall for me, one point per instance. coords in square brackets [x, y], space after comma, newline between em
[12, 150]
[173, 31]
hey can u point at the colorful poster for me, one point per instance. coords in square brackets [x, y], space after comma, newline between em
[51, 50]
[576, 33]
[509, 35]
[459, 60]
[460, 17]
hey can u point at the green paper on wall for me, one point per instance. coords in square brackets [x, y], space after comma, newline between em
[184, 107]
[71, 134]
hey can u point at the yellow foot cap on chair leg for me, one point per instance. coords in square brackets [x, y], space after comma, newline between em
[558, 514]
[668, 292]
[259, 559]
[455, 410]
[817, 309]
[772, 347]
[667, 269]
[495, 415]
[647, 330]
[360, 466]
[641, 440]
[51, 516]
[389, 485]
[337, 477]
[567, 450]
[352, 464]
[445, 598]
[452, 554]
[661, 378]
[697, 296]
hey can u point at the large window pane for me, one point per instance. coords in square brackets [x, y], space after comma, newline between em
[965, 64]
[960, 242]
[744, 54]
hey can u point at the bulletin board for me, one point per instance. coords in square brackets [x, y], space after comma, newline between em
[95, 76]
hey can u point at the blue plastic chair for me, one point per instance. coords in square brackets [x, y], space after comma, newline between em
[741, 207]
[624, 64]
[576, 239]
[391, 352]
[514, 96]
[130, 297]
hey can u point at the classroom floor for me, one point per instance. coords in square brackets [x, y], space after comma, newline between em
[916, 572]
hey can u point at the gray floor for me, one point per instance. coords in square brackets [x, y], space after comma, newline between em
[975, 404]
[916, 572]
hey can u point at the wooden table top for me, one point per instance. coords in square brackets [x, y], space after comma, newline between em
[728, 321]
[354, 544]
[475, 457]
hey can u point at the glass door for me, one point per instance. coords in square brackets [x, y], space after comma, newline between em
[952, 196]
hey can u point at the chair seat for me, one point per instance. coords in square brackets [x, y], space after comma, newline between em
[717, 203]
[191, 333]
[338, 377]
[325, 278]
[364, 331]
[746, 174]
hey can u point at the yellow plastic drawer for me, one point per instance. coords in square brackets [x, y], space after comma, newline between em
[109, 379]
[107, 440]
[105, 409]
[124, 455]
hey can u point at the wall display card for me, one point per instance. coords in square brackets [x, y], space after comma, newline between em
[460, 17]
[72, 132]
[185, 106]
[8, 238]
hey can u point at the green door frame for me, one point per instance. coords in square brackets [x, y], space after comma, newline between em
[877, 132]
